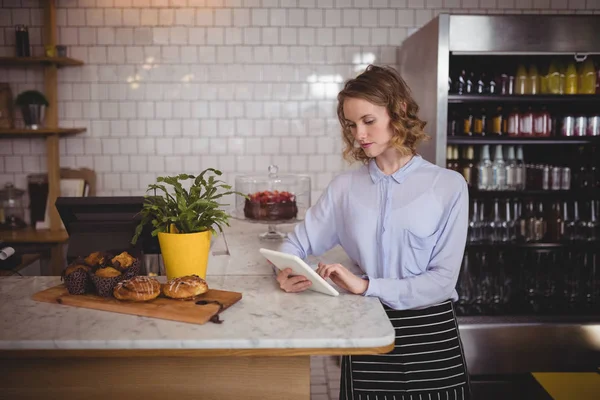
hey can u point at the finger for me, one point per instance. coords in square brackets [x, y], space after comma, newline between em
[327, 270]
[289, 283]
[296, 279]
[336, 270]
[299, 287]
[331, 269]
[283, 275]
[319, 268]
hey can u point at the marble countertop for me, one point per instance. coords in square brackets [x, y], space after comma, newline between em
[265, 318]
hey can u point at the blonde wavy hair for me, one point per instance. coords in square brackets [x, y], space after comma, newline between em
[383, 86]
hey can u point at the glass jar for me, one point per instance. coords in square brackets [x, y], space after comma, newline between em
[13, 210]
[272, 199]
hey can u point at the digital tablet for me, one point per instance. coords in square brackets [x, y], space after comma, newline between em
[299, 267]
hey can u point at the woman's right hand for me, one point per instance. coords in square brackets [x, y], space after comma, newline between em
[294, 283]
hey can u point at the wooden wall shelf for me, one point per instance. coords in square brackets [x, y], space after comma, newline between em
[17, 133]
[58, 61]
[30, 235]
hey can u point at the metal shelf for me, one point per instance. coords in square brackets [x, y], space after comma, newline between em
[531, 99]
[59, 61]
[553, 194]
[592, 245]
[521, 141]
[20, 133]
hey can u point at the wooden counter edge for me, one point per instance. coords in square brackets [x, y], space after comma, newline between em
[116, 353]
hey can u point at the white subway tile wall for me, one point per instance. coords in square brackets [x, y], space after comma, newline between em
[173, 86]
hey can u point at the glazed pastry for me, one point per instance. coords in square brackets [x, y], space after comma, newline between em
[94, 259]
[185, 287]
[108, 272]
[123, 260]
[139, 288]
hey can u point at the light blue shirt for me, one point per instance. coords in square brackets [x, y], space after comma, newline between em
[406, 231]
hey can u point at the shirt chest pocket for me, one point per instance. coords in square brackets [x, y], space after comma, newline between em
[418, 250]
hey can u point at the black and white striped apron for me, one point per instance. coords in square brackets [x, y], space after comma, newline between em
[427, 362]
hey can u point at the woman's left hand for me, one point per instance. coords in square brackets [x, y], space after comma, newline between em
[343, 278]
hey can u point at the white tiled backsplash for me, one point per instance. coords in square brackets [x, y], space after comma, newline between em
[172, 86]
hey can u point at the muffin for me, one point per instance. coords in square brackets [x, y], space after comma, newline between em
[77, 279]
[96, 259]
[105, 279]
[127, 264]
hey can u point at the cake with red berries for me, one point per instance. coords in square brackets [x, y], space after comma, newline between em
[271, 206]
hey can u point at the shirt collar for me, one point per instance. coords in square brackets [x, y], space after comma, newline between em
[398, 176]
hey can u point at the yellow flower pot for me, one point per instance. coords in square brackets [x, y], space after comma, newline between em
[185, 253]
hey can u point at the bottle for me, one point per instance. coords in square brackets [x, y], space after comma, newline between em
[491, 85]
[521, 80]
[513, 122]
[593, 225]
[544, 81]
[449, 155]
[468, 123]
[517, 218]
[498, 170]
[470, 87]
[484, 169]
[562, 70]
[508, 225]
[555, 223]
[461, 82]
[468, 166]
[529, 221]
[511, 169]
[539, 224]
[482, 84]
[479, 123]
[496, 123]
[571, 79]
[455, 158]
[541, 122]
[496, 224]
[474, 235]
[533, 86]
[466, 288]
[520, 170]
[575, 223]
[453, 124]
[526, 123]
[587, 77]
[23, 49]
[554, 78]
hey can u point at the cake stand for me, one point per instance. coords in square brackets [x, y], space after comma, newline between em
[269, 200]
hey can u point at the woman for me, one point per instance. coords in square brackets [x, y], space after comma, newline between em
[403, 221]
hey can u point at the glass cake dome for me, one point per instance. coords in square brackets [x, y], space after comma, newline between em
[272, 199]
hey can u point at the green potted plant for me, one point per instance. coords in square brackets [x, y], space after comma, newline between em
[33, 105]
[185, 219]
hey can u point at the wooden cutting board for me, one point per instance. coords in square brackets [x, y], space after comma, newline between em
[161, 307]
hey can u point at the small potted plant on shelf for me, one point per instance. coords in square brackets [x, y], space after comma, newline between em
[185, 220]
[33, 105]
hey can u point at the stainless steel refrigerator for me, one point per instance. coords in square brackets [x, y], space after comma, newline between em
[531, 325]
